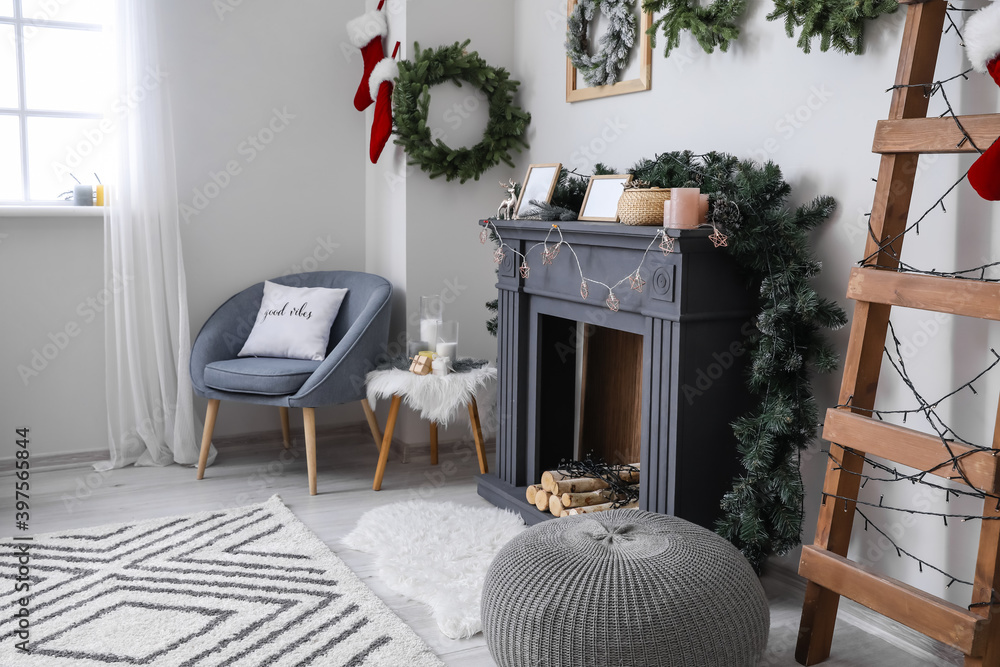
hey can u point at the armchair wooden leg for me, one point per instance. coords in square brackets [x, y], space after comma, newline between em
[285, 437]
[434, 443]
[477, 432]
[383, 456]
[309, 422]
[372, 423]
[206, 436]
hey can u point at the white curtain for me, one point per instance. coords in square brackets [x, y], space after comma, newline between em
[150, 414]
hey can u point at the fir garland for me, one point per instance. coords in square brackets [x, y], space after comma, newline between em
[605, 66]
[411, 100]
[763, 511]
[837, 23]
[713, 26]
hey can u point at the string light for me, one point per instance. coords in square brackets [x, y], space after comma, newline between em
[666, 244]
[718, 239]
[484, 235]
[549, 253]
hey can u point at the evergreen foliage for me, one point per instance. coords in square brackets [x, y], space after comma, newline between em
[411, 100]
[713, 26]
[605, 66]
[838, 23]
[763, 511]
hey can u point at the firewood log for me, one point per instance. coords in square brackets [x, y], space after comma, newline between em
[530, 493]
[599, 508]
[588, 498]
[542, 500]
[555, 505]
[550, 477]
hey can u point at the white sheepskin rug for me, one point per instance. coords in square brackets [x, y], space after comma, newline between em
[437, 398]
[436, 553]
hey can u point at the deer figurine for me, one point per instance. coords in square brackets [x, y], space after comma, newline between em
[506, 209]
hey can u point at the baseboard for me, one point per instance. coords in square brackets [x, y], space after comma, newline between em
[401, 451]
[902, 637]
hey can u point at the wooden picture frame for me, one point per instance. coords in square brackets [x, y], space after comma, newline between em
[643, 82]
[600, 204]
[541, 178]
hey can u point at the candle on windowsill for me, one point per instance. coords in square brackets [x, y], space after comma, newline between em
[83, 195]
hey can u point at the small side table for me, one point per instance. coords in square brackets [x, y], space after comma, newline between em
[423, 393]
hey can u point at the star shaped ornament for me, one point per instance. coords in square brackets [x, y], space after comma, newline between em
[667, 244]
[612, 302]
[719, 239]
[636, 281]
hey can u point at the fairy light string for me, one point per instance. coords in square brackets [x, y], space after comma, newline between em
[549, 253]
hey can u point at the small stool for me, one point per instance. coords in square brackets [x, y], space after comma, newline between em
[402, 385]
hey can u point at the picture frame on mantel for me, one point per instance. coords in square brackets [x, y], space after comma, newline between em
[539, 184]
[600, 204]
[577, 89]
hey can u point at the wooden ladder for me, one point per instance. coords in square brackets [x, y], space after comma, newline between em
[900, 140]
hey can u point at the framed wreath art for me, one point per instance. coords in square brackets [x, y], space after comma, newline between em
[598, 74]
[411, 99]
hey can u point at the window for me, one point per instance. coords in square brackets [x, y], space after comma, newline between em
[56, 83]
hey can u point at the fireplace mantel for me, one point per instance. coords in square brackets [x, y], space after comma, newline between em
[692, 314]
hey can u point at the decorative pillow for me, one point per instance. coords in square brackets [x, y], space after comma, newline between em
[293, 322]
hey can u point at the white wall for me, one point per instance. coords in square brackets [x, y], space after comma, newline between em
[814, 115]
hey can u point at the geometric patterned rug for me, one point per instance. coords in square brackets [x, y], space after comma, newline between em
[249, 586]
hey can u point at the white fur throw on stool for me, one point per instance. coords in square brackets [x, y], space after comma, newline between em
[437, 398]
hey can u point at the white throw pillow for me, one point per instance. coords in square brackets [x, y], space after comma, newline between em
[293, 322]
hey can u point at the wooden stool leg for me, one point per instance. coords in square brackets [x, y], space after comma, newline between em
[206, 436]
[383, 455]
[372, 423]
[309, 422]
[434, 443]
[285, 431]
[477, 433]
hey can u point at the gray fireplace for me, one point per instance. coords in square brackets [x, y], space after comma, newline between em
[659, 381]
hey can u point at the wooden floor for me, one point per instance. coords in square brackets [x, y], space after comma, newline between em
[73, 496]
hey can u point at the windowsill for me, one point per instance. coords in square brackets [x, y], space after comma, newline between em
[51, 211]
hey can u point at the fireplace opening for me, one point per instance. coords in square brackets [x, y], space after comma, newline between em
[590, 393]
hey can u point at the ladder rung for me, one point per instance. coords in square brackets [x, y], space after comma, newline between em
[911, 606]
[935, 135]
[957, 296]
[910, 448]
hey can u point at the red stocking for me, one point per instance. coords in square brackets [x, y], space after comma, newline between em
[366, 33]
[381, 83]
[982, 45]
[984, 175]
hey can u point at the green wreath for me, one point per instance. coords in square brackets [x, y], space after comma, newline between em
[604, 67]
[713, 26]
[411, 99]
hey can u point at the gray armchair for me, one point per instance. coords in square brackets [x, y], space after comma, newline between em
[359, 335]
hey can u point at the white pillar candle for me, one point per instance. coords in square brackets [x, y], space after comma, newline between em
[429, 330]
[447, 349]
[83, 195]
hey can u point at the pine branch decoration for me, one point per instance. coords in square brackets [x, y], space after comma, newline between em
[763, 511]
[714, 26]
[839, 24]
[605, 66]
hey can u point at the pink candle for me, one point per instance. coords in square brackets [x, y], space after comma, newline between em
[703, 210]
[666, 213]
[685, 205]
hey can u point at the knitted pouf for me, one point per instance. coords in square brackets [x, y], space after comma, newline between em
[623, 587]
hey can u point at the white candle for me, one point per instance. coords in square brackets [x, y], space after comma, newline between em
[429, 330]
[449, 349]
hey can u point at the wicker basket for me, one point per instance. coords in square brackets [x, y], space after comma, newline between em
[642, 206]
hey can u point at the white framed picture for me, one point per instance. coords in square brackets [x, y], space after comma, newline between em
[539, 184]
[601, 201]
